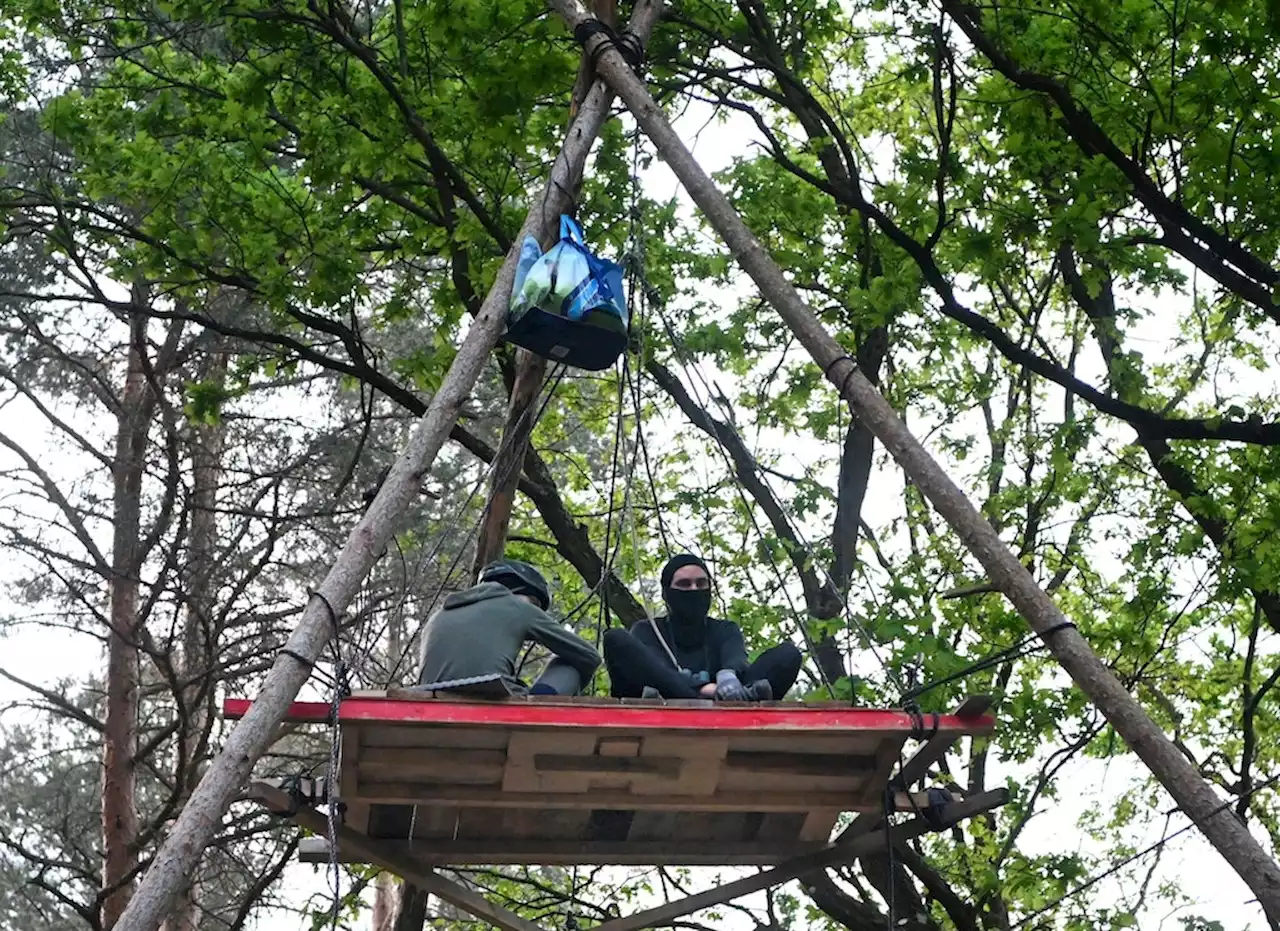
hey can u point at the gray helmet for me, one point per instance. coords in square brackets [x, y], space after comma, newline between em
[520, 577]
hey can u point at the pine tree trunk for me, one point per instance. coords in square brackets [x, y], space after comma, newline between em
[412, 912]
[384, 903]
[120, 734]
[199, 636]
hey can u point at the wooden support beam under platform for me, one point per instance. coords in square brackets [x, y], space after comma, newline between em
[376, 852]
[534, 853]
[612, 799]
[830, 855]
[437, 851]
[413, 864]
[916, 768]
[491, 783]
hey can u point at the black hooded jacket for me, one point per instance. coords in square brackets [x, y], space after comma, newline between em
[720, 645]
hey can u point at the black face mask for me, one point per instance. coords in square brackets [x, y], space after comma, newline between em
[688, 609]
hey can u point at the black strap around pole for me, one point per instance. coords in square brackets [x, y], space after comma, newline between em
[626, 43]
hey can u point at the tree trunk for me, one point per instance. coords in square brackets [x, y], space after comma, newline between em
[199, 638]
[384, 903]
[607, 12]
[198, 823]
[412, 913]
[120, 734]
[1192, 794]
[492, 539]
[855, 466]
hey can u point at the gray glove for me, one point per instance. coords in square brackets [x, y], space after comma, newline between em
[728, 687]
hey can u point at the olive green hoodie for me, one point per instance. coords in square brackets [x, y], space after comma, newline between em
[480, 632]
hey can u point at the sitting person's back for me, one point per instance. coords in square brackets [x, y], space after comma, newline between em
[479, 633]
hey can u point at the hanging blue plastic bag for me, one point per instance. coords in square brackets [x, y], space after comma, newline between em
[568, 304]
[530, 252]
[568, 280]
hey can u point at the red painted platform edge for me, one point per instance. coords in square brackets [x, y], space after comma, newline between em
[531, 714]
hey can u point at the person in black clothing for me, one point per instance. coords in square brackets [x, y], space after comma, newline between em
[690, 655]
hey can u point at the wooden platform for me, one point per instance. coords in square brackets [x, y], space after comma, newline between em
[589, 781]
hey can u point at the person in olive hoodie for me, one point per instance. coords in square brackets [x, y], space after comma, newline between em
[478, 634]
[688, 654]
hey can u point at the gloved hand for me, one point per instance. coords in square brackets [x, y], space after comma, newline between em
[728, 687]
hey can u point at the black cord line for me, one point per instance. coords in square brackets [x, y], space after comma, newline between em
[1024, 647]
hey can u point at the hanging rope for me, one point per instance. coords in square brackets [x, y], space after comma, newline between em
[718, 398]
[627, 385]
[627, 518]
[637, 304]
[853, 624]
[628, 498]
[852, 621]
[334, 806]
[1024, 647]
[451, 526]
[637, 312]
[635, 265]
[630, 517]
[606, 567]
[848, 652]
[908, 697]
[648, 468]
[546, 392]
[516, 464]
[890, 891]
[687, 365]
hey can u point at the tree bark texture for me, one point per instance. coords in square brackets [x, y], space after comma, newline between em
[199, 633]
[198, 823]
[120, 733]
[1192, 794]
[521, 414]
[411, 914]
[384, 903]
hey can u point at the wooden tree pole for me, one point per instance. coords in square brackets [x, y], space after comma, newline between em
[198, 823]
[531, 371]
[507, 465]
[1192, 794]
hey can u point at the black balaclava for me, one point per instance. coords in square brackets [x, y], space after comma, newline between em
[687, 609]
